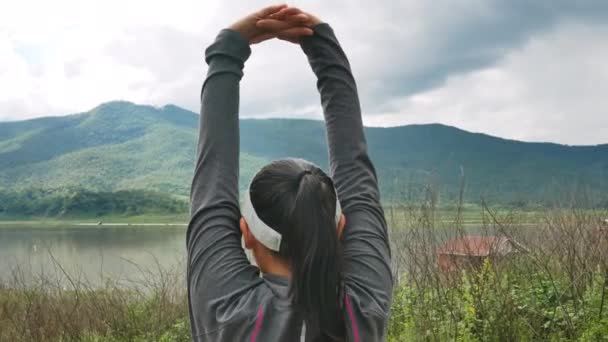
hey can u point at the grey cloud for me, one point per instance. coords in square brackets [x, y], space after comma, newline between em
[461, 39]
[450, 38]
[173, 57]
[164, 51]
[402, 48]
[397, 49]
[553, 89]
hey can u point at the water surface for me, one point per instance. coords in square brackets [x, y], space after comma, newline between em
[132, 254]
[91, 253]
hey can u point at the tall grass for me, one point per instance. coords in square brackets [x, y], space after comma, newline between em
[64, 307]
[553, 289]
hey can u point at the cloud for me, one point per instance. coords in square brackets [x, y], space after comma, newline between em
[455, 62]
[553, 88]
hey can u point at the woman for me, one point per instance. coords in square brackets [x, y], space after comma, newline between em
[325, 275]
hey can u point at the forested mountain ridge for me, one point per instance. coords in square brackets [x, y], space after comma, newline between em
[121, 145]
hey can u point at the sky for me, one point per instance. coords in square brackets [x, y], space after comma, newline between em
[519, 69]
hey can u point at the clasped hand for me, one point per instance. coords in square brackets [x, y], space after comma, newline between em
[280, 21]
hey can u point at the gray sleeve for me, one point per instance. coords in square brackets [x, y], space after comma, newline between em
[218, 270]
[367, 273]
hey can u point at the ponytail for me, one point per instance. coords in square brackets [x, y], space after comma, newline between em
[314, 254]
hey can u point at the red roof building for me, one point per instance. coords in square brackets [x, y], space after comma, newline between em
[472, 250]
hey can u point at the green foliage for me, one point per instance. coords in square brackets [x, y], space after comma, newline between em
[80, 202]
[484, 305]
[119, 145]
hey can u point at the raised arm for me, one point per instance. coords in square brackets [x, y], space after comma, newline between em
[220, 278]
[217, 265]
[367, 273]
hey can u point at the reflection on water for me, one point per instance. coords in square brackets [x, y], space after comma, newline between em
[92, 253]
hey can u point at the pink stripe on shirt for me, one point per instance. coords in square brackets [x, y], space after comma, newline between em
[352, 318]
[258, 324]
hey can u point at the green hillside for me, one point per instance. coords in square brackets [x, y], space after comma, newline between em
[72, 202]
[120, 146]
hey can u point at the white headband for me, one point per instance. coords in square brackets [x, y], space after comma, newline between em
[262, 232]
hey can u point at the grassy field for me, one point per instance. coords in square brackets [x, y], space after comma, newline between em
[554, 290]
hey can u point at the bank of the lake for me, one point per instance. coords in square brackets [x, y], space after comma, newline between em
[151, 220]
[396, 215]
[116, 284]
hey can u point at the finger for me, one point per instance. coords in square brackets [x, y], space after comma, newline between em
[295, 34]
[263, 13]
[302, 19]
[298, 18]
[273, 25]
[263, 37]
[280, 26]
[287, 11]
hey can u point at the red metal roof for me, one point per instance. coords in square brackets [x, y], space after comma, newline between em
[475, 245]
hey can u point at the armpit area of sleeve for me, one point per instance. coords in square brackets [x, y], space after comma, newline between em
[231, 44]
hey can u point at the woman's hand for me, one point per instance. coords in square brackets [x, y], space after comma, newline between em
[283, 22]
[278, 21]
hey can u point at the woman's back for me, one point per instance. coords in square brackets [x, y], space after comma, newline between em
[228, 299]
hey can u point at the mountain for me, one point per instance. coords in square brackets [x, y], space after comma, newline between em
[121, 145]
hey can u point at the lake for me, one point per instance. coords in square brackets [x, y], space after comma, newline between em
[91, 253]
[128, 254]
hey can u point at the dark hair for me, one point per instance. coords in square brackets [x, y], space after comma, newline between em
[298, 200]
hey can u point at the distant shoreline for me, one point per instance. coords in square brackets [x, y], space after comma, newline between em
[129, 224]
[443, 219]
[110, 221]
[77, 224]
[80, 224]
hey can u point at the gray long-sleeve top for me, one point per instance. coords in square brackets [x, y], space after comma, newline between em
[228, 300]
